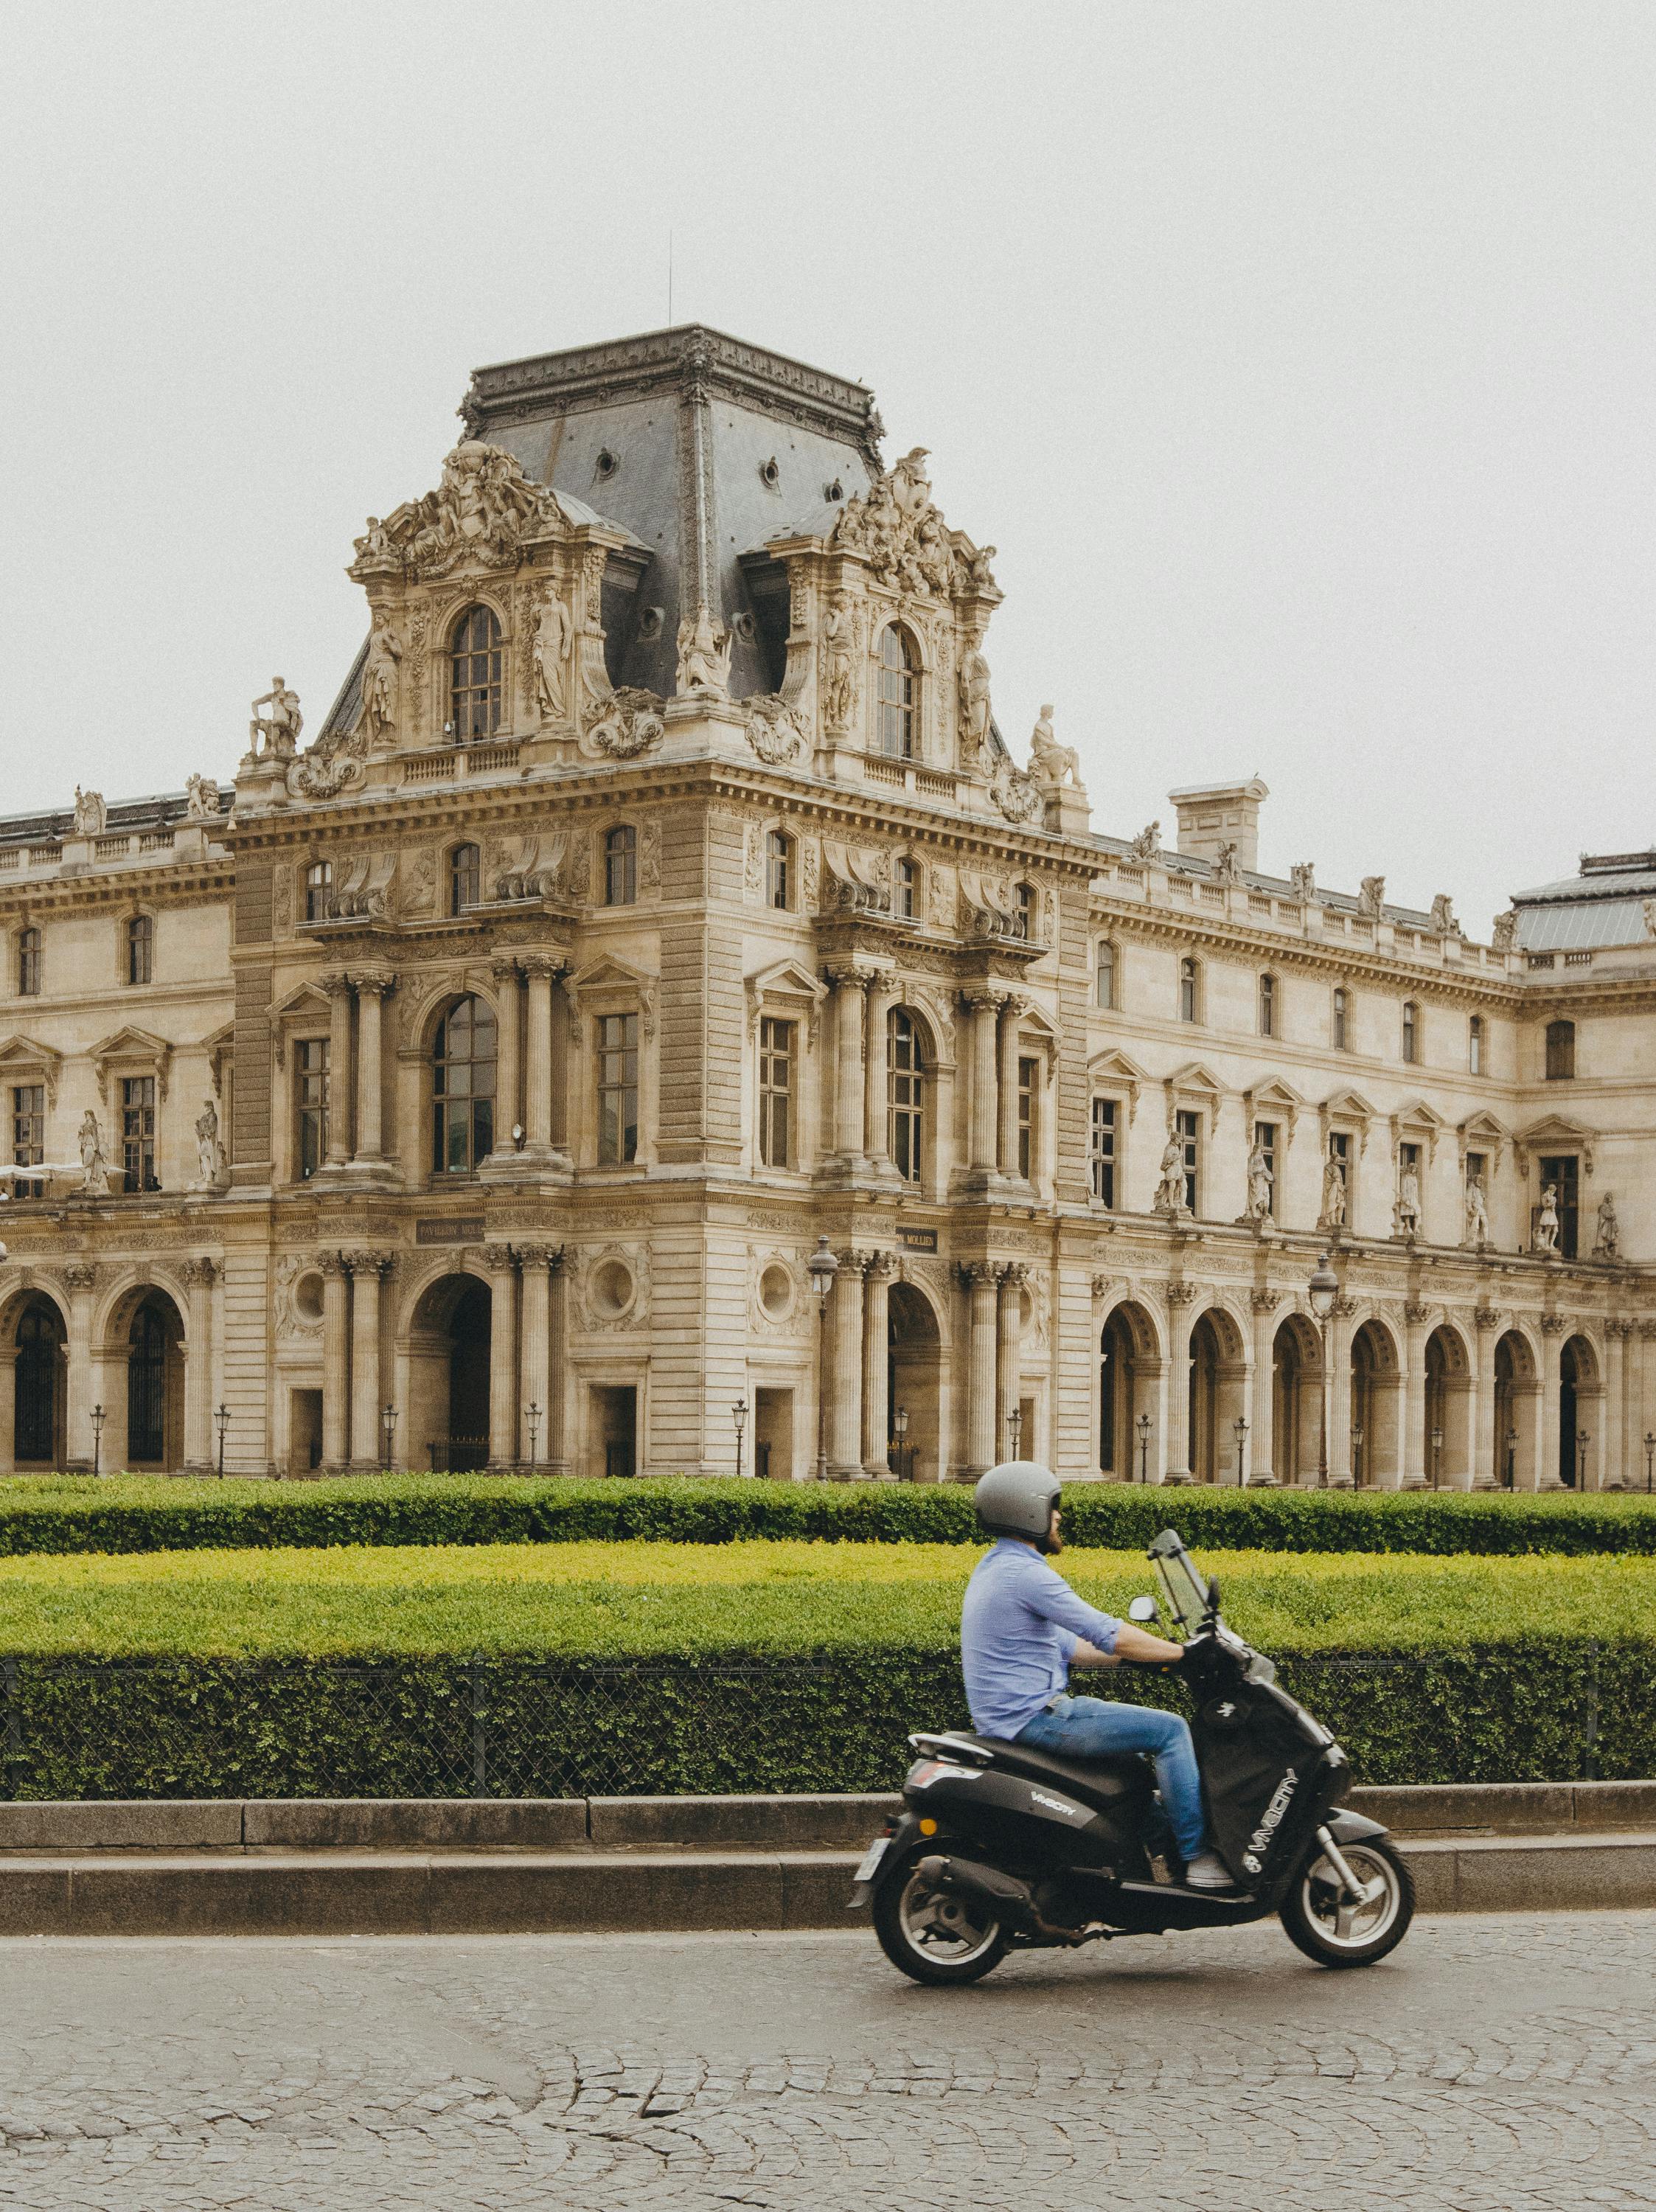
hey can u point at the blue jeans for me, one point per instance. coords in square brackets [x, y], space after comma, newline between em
[1088, 1727]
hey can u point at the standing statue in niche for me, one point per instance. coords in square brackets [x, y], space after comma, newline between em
[1478, 1212]
[1261, 1185]
[95, 1168]
[1408, 1202]
[704, 655]
[974, 699]
[276, 736]
[1051, 764]
[1607, 1245]
[1333, 1192]
[209, 1153]
[379, 682]
[836, 669]
[1546, 1226]
[1170, 1190]
[552, 633]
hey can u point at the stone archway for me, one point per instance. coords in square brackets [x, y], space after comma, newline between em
[1376, 1409]
[449, 1344]
[1296, 1373]
[1129, 1379]
[37, 1343]
[1581, 1407]
[914, 1384]
[154, 1351]
[1448, 1410]
[1511, 1450]
[1217, 1397]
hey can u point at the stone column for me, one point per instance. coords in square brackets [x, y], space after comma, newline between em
[1339, 1408]
[1546, 1449]
[980, 1452]
[1485, 1450]
[503, 1401]
[877, 1141]
[849, 988]
[554, 1448]
[372, 992]
[1181, 1298]
[541, 971]
[877, 1365]
[1262, 1408]
[366, 1268]
[1006, 1078]
[981, 1004]
[8, 1408]
[508, 1094]
[1612, 1464]
[80, 1277]
[845, 1402]
[338, 989]
[1009, 1360]
[534, 1360]
[336, 1370]
[1412, 1450]
[1641, 1394]
[199, 1441]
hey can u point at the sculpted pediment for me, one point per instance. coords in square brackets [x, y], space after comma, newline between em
[607, 984]
[481, 515]
[1118, 1071]
[134, 1048]
[789, 987]
[1555, 1130]
[21, 1057]
[897, 529]
[1273, 1098]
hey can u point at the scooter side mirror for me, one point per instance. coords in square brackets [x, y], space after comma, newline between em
[1213, 1594]
[1142, 1609]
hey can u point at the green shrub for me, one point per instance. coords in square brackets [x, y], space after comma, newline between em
[136, 1513]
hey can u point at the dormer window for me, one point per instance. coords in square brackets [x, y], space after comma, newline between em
[318, 889]
[899, 692]
[1023, 913]
[476, 665]
[465, 878]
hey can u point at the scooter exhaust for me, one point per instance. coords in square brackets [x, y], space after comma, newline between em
[1009, 1899]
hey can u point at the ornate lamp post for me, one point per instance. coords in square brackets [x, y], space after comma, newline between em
[1356, 1454]
[739, 1415]
[1014, 1431]
[1437, 1458]
[821, 1267]
[1321, 1292]
[1143, 1447]
[900, 1423]
[532, 1421]
[99, 1416]
[1239, 1428]
[1650, 1455]
[388, 1419]
[221, 1422]
[1582, 1440]
[1512, 1459]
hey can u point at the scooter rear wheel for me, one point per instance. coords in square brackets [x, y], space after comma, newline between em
[931, 1936]
[1327, 1928]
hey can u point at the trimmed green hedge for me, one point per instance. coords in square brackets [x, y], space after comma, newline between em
[134, 1513]
[666, 1725]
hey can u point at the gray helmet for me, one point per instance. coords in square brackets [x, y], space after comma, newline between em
[1016, 1499]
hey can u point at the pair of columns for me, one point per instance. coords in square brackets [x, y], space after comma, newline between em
[523, 1093]
[862, 999]
[367, 990]
[994, 1292]
[858, 1382]
[526, 1363]
[995, 1015]
[352, 1433]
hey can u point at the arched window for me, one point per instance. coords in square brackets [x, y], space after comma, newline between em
[146, 1385]
[318, 889]
[621, 866]
[1411, 1032]
[1190, 990]
[465, 878]
[28, 964]
[477, 668]
[462, 1088]
[1268, 1005]
[905, 1092]
[1104, 974]
[899, 692]
[1341, 1029]
[39, 1359]
[1024, 912]
[140, 949]
[779, 870]
[1475, 1045]
[906, 888]
[1560, 1052]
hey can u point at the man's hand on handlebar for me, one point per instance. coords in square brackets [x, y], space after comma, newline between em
[1131, 1643]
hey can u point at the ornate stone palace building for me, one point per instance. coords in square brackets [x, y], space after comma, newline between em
[658, 899]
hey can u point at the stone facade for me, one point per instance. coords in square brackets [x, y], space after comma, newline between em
[660, 898]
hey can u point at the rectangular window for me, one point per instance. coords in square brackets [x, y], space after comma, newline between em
[28, 1134]
[1189, 1129]
[902, 895]
[140, 949]
[779, 870]
[1268, 1005]
[1561, 1173]
[1411, 1032]
[138, 1134]
[1475, 1045]
[1342, 1022]
[28, 964]
[617, 1088]
[1560, 1052]
[1103, 1151]
[775, 1093]
[1028, 1073]
[311, 1062]
[905, 1095]
[1188, 991]
[1264, 1145]
[1105, 979]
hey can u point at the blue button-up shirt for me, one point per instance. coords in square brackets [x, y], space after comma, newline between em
[1019, 1625]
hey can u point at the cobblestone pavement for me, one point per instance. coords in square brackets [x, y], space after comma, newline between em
[1494, 2065]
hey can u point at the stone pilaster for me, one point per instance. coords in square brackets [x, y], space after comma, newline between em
[846, 1401]
[338, 990]
[1181, 1298]
[877, 1365]
[503, 1403]
[366, 1268]
[198, 1441]
[1262, 1392]
[981, 1277]
[336, 1358]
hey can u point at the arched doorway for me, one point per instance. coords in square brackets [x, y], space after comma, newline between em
[913, 1385]
[155, 1385]
[1216, 1397]
[39, 1387]
[1128, 1373]
[1376, 1424]
[449, 1349]
[1296, 1374]
[1510, 1463]
[1580, 1403]
[1449, 1411]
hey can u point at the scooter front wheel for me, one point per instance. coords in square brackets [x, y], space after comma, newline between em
[931, 1936]
[1329, 1927]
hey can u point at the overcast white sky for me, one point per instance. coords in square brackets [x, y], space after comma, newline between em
[1297, 358]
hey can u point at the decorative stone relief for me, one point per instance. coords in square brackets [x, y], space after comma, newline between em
[481, 514]
[649, 857]
[904, 539]
[774, 731]
[282, 901]
[612, 1287]
[1016, 794]
[294, 1324]
[1371, 898]
[753, 874]
[625, 724]
[811, 863]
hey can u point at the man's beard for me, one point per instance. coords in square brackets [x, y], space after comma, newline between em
[1054, 1542]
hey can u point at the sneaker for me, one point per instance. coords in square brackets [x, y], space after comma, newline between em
[1207, 1870]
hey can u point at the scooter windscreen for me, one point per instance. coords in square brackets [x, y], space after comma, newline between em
[1184, 1590]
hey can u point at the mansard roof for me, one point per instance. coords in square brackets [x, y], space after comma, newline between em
[1601, 906]
[51, 826]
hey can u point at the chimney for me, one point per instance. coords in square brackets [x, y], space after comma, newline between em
[1214, 815]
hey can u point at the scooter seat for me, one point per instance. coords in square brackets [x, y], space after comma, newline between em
[1102, 1782]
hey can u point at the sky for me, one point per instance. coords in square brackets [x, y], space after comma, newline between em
[1297, 360]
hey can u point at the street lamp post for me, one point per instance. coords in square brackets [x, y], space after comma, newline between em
[1014, 1431]
[1582, 1440]
[900, 1423]
[739, 1415]
[1322, 1291]
[1356, 1454]
[1437, 1458]
[532, 1420]
[821, 1267]
[1143, 1447]
[1512, 1459]
[1650, 1454]
[222, 1420]
[99, 1416]
[1241, 1427]
[388, 1418]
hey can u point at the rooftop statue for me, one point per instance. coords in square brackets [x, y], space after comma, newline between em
[704, 656]
[1051, 764]
[481, 512]
[1371, 899]
[276, 736]
[1146, 845]
[201, 796]
[91, 815]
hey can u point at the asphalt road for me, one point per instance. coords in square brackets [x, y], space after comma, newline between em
[1493, 2065]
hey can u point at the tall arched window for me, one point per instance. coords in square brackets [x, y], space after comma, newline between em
[141, 950]
[905, 1091]
[28, 964]
[462, 1088]
[1104, 974]
[465, 878]
[1411, 1032]
[899, 692]
[476, 670]
[621, 866]
[146, 1385]
[40, 1359]
[1560, 1052]
[318, 889]
[1190, 990]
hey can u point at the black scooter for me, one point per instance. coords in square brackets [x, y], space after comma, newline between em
[1000, 1848]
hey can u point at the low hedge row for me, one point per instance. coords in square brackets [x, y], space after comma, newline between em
[130, 1513]
[449, 1727]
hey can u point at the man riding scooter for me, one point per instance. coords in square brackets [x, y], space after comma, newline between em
[1023, 1628]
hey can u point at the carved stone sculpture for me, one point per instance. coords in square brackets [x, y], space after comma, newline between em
[1333, 1214]
[627, 723]
[274, 736]
[1371, 898]
[1607, 1245]
[552, 633]
[91, 815]
[1303, 876]
[1546, 1227]
[1443, 916]
[201, 798]
[1478, 1212]
[774, 731]
[1261, 1185]
[974, 684]
[1504, 936]
[1017, 796]
[1051, 764]
[836, 663]
[1409, 1203]
[209, 1153]
[1170, 1184]
[1146, 845]
[704, 656]
[1227, 869]
[900, 533]
[95, 1168]
[379, 683]
[481, 512]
